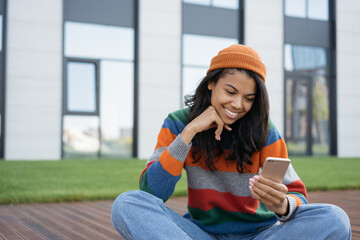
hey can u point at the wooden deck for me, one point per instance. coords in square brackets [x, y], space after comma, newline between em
[91, 220]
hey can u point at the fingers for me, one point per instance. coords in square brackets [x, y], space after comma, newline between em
[270, 193]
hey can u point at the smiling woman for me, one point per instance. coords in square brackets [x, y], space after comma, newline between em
[222, 140]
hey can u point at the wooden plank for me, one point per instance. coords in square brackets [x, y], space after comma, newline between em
[72, 224]
[7, 232]
[51, 220]
[21, 228]
[91, 220]
[92, 225]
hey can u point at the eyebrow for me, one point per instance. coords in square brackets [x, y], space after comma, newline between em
[229, 85]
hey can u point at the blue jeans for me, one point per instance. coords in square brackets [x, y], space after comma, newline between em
[140, 215]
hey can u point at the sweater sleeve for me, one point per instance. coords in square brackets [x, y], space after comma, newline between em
[275, 147]
[164, 167]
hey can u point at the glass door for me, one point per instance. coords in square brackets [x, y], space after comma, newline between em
[307, 115]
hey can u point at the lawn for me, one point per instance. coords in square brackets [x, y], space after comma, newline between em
[77, 180]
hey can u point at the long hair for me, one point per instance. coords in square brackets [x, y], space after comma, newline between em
[249, 133]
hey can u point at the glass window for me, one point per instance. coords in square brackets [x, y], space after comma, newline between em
[81, 87]
[320, 116]
[197, 53]
[192, 76]
[295, 8]
[117, 108]
[199, 2]
[318, 9]
[198, 50]
[98, 41]
[304, 58]
[81, 136]
[296, 116]
[231, 4]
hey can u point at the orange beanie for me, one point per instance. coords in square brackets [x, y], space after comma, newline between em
[239, 56]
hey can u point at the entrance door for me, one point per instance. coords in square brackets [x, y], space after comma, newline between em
[307, 115]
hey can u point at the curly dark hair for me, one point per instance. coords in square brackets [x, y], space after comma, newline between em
[249, 133]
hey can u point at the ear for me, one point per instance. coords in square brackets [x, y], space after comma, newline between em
[210, 85]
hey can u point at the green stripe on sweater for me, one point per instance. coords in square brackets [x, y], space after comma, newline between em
[217, 215]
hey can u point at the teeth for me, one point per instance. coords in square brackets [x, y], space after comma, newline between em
[231, 113]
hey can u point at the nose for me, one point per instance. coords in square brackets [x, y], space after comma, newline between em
[237, 102]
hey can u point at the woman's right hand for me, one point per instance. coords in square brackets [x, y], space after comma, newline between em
[206, 120]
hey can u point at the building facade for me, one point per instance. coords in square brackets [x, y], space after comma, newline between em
[95, 79]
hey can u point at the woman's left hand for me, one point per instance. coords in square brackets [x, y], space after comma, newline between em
[270, 193]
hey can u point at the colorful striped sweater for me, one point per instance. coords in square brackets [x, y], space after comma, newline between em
[220, 201]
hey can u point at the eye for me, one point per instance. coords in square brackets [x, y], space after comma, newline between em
[250, 99]
[230, 92]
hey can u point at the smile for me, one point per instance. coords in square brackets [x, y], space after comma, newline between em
[230, 113]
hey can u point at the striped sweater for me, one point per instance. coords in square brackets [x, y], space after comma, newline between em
[219, 202]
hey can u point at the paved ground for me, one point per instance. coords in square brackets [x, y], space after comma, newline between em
[91, 220]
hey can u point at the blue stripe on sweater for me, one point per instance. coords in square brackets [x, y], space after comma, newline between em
[273, 136]
[175, 127]
[161, 183]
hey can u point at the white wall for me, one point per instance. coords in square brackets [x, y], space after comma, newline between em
[348, 78]
[33, 79]
[264, 31]
[159, 68]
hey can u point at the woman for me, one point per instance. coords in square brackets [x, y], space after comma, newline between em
[222, 139]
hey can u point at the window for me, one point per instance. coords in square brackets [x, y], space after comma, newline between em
[99, 86]
[81, 87]
[204, 36]
[311, 9]
[307, 100]
[197, 53]
[231, 4]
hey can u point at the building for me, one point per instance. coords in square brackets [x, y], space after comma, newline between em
[91, 78]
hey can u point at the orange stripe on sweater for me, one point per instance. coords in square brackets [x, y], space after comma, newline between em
[165, 138]
[276, 149]
[170, 164]
[298, 201]
[221, 164]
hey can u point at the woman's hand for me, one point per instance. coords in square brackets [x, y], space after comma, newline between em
[206, 120]
[270, 193]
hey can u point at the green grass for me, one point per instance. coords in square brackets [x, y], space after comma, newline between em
[78, 180]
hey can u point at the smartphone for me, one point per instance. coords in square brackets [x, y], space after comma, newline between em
[275, 168]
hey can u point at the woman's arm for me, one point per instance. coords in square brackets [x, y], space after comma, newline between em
[165, 166]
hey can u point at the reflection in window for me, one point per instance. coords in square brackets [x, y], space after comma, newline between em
[230, 4]
[320, 116]
[312, 9]
[81, 87]
[296, 116]
[319, 9]
[304, 58]
[192, 76]
[98, 41]
[199, 2]
[295, 8]
[116, 110]
[197, 53]
[198, 50]
[81, 136]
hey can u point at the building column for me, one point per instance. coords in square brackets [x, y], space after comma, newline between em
[33, 80]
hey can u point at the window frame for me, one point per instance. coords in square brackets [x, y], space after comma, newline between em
[97, 87]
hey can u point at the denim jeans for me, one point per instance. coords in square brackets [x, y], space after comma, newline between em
[140, 215]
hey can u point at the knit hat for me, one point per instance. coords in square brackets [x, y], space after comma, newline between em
[239, 56]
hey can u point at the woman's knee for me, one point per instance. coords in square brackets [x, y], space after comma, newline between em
[340, 222]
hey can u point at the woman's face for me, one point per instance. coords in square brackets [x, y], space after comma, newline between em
[233, 95]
